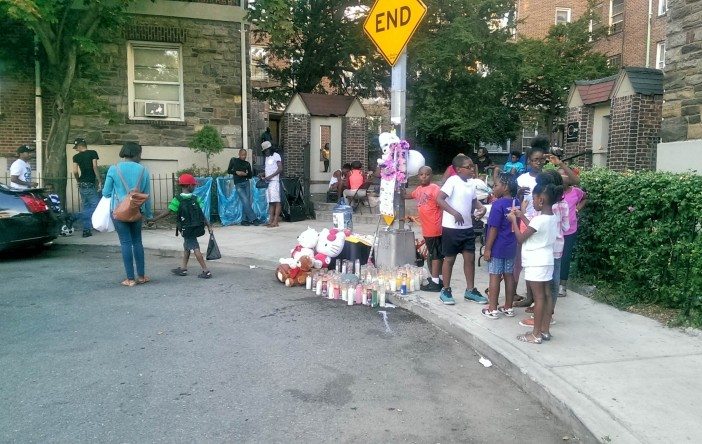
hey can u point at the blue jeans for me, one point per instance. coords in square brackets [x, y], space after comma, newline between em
[244, 193]
[129, 234]
[90, 198]
[568, 246]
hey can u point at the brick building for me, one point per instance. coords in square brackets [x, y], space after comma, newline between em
[618, 118]
[635, 38]
[681, 147]
[312, 120]
[174, 67]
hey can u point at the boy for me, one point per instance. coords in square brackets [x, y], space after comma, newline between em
[513, 166]
[191, 223]
[430, 219]
[457, 199]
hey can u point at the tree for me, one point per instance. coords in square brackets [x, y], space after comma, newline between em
[316, 44]
[463, 74]
[65, 31]
[550, 66]
[207, 141]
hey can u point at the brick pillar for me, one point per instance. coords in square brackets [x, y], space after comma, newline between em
[295, 138]
[648, 132]
[584, 116]
[635, 130]
[354, 143]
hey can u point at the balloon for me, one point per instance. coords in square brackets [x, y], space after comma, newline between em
[415, 161]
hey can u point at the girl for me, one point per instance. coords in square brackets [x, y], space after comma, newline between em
[537, 256]
[501, 247]
[576, 200]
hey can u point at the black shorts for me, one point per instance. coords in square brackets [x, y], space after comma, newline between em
[434, 250]
[457, 240]
[190, 244]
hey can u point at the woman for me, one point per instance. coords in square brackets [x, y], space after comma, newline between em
[355, 180]
[122, 178]
[273, 168]
[483, 161]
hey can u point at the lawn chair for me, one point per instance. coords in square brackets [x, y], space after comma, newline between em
[360, 197]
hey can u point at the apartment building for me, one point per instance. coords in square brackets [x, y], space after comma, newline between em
[636, 33]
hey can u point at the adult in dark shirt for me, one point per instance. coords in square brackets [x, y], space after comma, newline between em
[482, 160]
[85, 170]
[241, 172]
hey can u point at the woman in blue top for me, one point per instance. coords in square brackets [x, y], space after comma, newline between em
[135, 176]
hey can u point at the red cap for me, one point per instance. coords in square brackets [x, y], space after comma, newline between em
[186, 179]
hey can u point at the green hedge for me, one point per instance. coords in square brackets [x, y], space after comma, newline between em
[640, 233]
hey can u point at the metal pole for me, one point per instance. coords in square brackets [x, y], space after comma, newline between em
[398, 95]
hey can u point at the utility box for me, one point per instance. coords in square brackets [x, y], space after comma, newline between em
[395, 248]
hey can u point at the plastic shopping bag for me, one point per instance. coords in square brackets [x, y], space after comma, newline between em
[101, 216]
[212, 249]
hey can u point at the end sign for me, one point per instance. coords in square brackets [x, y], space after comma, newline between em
[391, 23]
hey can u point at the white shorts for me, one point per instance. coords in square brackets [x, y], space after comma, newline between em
[539, 273]
[273, 191]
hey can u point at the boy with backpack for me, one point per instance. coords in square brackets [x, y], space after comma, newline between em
[191, 223]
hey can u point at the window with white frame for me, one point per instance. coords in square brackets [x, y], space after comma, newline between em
[527, 135]
[562, 15]
[616, 15]
[662, 7]
[155, 76]
[259, 61]
[614, 61]
[660, 55]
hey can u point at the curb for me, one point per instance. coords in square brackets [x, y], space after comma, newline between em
[590, 422]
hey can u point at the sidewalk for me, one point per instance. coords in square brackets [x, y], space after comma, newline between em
[611, 375]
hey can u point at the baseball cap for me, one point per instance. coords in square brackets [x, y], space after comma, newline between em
[25, 149]
[186, 179]
[265, 145]
[79, 141]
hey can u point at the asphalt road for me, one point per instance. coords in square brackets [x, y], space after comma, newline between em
[238, 358]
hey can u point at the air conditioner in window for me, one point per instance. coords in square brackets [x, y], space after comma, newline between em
[155, 109]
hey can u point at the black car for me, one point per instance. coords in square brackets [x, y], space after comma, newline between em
[26, 219]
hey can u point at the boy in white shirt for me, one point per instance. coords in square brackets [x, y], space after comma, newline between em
[457, 199]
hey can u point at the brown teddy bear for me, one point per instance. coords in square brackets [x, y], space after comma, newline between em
[295, 275]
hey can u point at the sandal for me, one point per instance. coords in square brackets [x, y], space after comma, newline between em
[529, 338]
[180, 271]
[523, 303]
[205, 275]
[143, 280]
[128, 282]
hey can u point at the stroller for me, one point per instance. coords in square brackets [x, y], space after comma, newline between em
[66, 219]
[295, 206]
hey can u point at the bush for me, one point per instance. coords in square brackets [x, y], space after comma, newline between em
[640, 232]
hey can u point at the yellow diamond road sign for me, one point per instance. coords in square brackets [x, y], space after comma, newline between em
[391, 23]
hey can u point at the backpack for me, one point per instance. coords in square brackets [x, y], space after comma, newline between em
[191, 220]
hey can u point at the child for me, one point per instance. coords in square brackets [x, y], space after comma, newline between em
[576, 200]
[457, 199]
[190, 224]
[54, 202]
[537, 256]
[501, 246]
[560, 210]
[430, 219]
[513, 166]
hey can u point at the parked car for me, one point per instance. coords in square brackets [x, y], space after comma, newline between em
[25, 219]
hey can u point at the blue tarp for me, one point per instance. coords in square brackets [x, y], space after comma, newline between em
[203, 190]
[230, 211]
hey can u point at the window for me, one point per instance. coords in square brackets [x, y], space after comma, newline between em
[259, 60]
[562, 15]
[660, 55]
[614, 61]
[527, 135]
[155, 76]
[662, 7]
[616, 16]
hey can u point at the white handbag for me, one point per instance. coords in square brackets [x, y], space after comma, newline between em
[102, 220]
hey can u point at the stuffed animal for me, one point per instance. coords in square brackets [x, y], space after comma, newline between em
[306, 242]
[385, 140]
[294, 275]
[329, 246]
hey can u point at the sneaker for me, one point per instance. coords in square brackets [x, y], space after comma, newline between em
[494, 314]
[562, 291]
[256, 223]
[446, 296]
[529, 322]
[245, 223]
[430, 286]
[509, 312]
[475, 296]
[87, 233]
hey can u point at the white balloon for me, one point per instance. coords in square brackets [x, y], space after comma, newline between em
[415, 161]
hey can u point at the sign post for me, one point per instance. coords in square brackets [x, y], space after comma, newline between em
[390, 25]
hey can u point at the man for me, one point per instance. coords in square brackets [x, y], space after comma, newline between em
[241, 172]
[85, 170]
[21, 170]
[326, 155]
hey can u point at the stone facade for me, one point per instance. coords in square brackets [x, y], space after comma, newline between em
[354, 143]
[295, 140]
[634, 132]
[584, 116]
[682, 117]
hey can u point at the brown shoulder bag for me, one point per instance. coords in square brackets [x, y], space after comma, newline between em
[129, 209]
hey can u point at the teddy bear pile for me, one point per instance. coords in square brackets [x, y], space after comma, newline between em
[313, 250]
